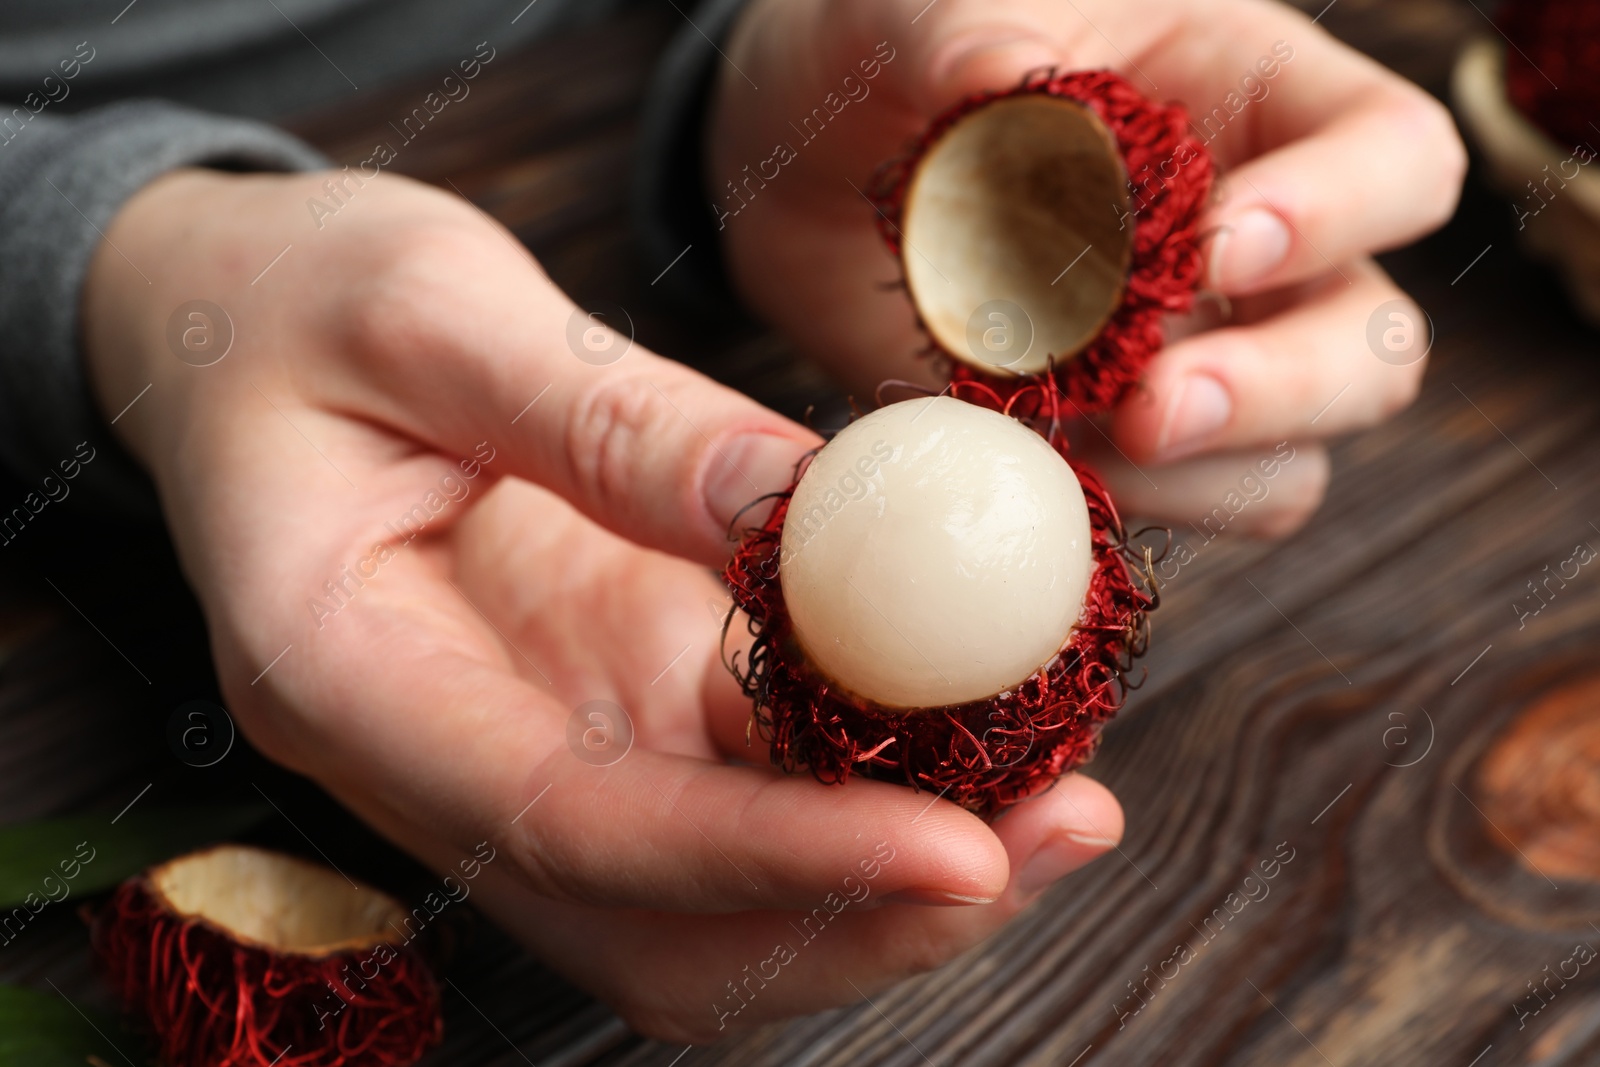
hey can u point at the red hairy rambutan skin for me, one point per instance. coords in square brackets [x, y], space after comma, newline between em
[1170, 173]
[983, 755]
[1554, 43]
[212, 1000]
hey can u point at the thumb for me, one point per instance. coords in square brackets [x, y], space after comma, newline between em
[967, 49]
[642, 445]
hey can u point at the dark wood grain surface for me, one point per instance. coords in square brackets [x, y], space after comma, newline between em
[1357, 711]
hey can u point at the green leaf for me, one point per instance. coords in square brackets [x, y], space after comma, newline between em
[73, 857]
[43, 1030]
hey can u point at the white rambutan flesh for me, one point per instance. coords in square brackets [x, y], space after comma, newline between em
[935, 552]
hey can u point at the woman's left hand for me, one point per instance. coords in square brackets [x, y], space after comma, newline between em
[1326, 160]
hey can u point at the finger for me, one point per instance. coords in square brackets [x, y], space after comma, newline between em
[945, 53]
[697, 978]
[729, 714]
[1380, 172]
[1266, 492]
[1308, 371]
[445, 735]
[1053, 834]
[458, 340]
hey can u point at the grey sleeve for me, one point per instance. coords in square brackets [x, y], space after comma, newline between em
[672, 208]
[61, 181]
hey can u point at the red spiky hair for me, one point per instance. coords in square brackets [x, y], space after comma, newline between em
[212, 998]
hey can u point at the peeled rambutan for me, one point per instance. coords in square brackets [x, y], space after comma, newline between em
[944, 598]
[239, 957]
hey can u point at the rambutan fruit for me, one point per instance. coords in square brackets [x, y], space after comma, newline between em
[238, 957]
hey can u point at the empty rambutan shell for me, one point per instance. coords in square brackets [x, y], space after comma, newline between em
[1059, 217]
[239, 957]
[941, 546]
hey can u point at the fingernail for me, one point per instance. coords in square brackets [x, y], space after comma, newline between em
[933, 898]
[1246, 248]
[1199, 408]
[1057, 858]
[745, 469]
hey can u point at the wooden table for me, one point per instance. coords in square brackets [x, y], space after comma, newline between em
[1360, 698]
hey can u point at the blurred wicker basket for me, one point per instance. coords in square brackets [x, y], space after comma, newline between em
[1555, 191]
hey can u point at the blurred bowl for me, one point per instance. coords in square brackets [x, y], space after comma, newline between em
[1555, 191]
